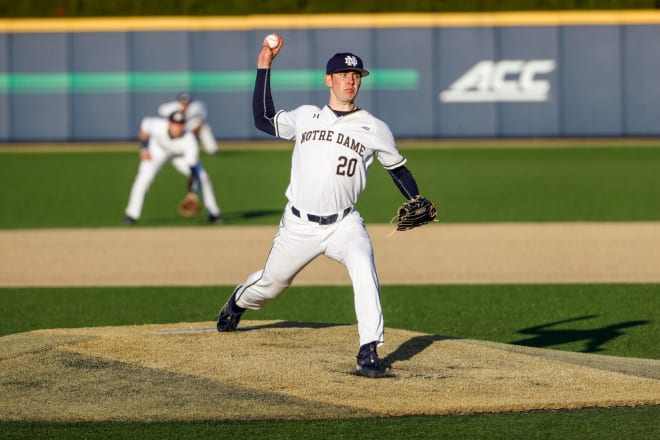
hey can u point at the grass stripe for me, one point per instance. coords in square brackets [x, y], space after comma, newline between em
[467, 185]
[612, 319]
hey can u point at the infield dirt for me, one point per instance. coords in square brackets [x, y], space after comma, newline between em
[276, 370]
[434, 254]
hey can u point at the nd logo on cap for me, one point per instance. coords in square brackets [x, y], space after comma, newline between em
[344, 61]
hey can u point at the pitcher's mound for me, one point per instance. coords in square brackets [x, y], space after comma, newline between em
[292, 370]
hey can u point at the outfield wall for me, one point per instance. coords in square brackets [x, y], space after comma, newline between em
[549, 74]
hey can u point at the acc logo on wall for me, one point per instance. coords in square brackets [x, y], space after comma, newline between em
[502, 81]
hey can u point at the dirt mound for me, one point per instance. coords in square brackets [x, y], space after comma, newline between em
[292, 370]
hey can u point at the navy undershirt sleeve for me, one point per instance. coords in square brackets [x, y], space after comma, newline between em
[262, 103]
[404, 180]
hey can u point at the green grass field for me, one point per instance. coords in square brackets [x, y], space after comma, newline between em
[75, 189]
[611, 319]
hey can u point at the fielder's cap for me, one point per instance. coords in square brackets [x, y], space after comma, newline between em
[185, 97]
[343, 61]
[178, 116]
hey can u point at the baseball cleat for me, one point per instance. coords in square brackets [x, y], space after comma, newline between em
[230, 314]
[216, 219]
[128, 220]
[368, 362]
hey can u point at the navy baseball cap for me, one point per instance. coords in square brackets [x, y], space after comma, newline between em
[343, 61]
[178, 117]
[184, 97]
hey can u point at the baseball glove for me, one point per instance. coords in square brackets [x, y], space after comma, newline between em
[190, 206]
[415, 212]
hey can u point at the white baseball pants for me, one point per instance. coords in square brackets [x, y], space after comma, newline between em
[149, 169]
[300, 241]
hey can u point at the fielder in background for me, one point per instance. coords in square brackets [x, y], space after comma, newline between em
[334, 147]
[196, 122]
[167, 140]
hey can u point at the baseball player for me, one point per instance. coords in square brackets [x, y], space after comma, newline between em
[334, 147]
[196, 114]
[163, 140]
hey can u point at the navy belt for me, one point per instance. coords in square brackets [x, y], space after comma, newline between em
[322, 219]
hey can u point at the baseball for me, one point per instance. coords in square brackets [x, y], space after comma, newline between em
[272, 40]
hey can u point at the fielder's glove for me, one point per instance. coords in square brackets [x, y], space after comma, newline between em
[190, 206]
[415, 212]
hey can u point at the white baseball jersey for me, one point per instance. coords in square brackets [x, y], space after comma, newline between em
[184, 146]
[332, 155]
